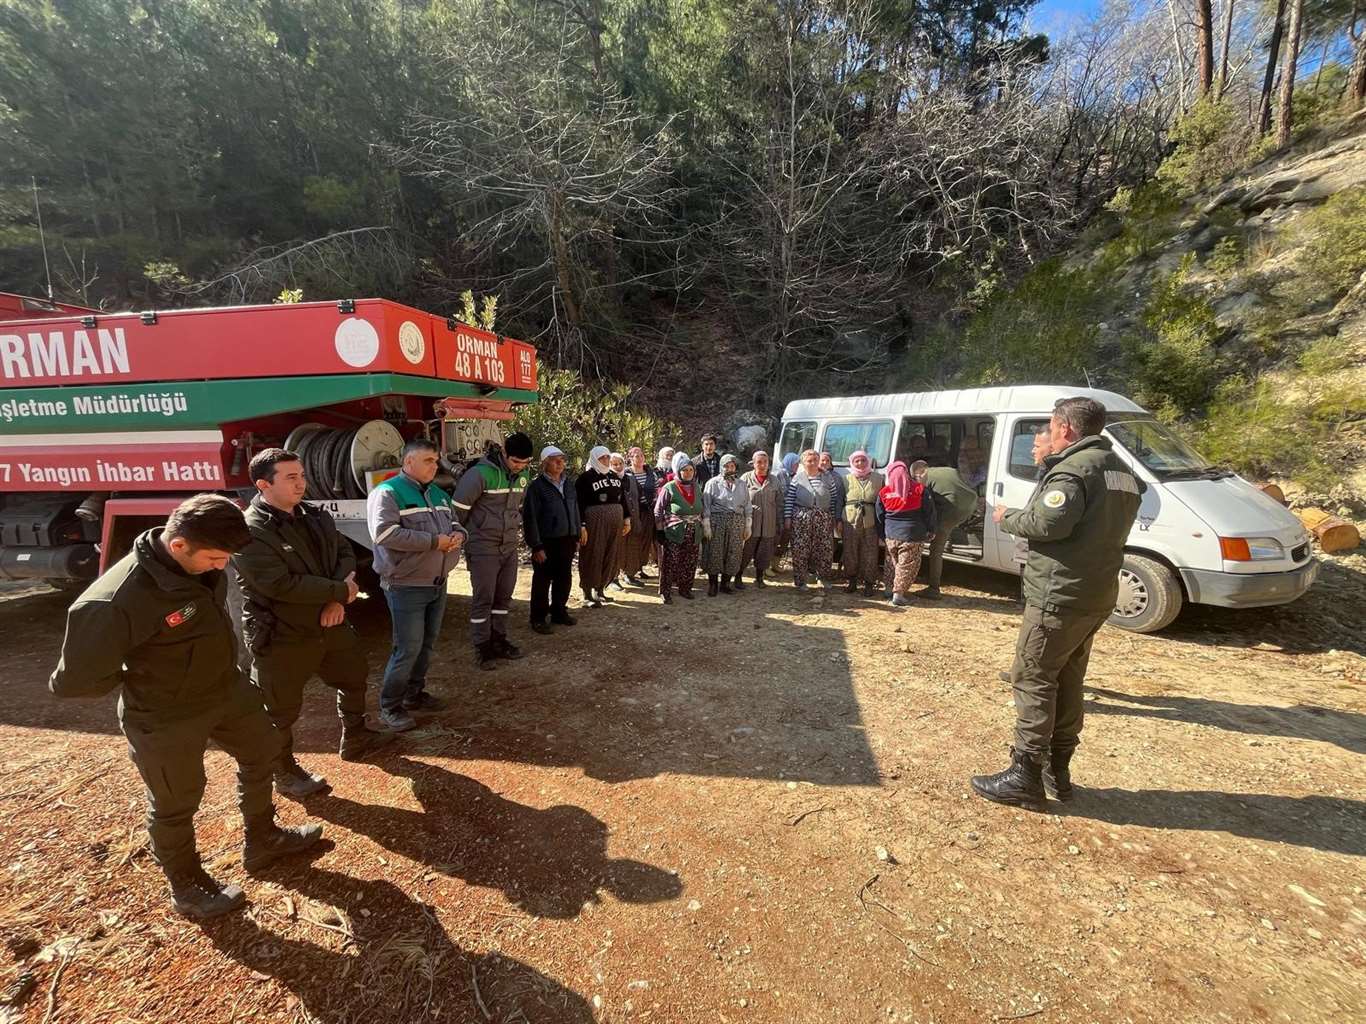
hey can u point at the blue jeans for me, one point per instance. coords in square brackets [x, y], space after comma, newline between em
[416, 614]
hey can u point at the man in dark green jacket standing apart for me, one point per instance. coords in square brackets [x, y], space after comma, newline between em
[297, 576]
[954, 503]
[156, 628]
[488, 503]
[1076, 523]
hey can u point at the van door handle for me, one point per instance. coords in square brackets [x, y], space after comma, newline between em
[1000, 488]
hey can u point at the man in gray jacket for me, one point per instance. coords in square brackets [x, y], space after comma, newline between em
[417, 543]
[488, 502]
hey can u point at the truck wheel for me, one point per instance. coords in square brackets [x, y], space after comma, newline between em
[1149, 596]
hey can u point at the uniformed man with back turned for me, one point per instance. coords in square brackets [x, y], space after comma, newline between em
[1076, 524]
[954, 503]
[156, 628]
[298, 575]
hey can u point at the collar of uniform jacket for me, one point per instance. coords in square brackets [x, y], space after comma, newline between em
[161, 567]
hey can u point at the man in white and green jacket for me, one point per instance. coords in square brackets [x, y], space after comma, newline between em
[488, 503]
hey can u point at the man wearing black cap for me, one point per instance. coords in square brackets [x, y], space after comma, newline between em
[488, 503]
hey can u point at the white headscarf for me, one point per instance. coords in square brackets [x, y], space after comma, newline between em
[618, 455]
[598, 454]
[665, 459]
[680, 460]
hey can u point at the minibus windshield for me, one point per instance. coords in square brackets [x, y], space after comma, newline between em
[1161, 451]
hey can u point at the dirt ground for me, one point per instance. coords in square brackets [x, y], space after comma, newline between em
[750, 808]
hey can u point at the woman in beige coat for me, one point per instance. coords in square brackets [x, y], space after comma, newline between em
[766, 521]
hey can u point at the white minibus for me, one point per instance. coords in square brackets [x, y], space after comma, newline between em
[1204, 535]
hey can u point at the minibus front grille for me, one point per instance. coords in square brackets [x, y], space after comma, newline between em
[1300, 553]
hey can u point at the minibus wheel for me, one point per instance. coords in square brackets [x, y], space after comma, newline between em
[1149, 595]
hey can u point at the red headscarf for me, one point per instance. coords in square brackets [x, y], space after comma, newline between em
[902, 494]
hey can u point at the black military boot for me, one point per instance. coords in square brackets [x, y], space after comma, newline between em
[930, 594]
[1020, 785]
[870, 590]
[294, 780]
[358, 740]
[725, 585]
[506, 649]
[485, 656]
[195, 893]
[1057, 775]
[759, 580]
[267, 842]
[713, 586]
[852, 588]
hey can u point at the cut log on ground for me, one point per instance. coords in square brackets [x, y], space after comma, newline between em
[1332, 533]
[1272, 491]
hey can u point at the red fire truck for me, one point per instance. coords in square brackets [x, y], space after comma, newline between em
[107, 421]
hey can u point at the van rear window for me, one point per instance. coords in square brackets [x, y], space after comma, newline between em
[797, 437]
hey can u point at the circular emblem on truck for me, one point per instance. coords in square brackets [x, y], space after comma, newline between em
[411, 342]
[357, 342]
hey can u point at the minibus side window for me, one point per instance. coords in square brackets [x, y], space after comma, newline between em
[872, 436]
[1022, 449]
[797, 437]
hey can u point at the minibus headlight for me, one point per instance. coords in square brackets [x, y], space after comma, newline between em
[1250, 549]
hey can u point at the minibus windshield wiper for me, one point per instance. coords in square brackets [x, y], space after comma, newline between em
[1205, 473]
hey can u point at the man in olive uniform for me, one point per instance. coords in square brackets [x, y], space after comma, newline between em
[297, 576]
[954, 502]
[488, 503]
[156, 628]
[1076, 524]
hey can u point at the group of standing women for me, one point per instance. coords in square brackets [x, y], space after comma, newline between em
[682, 516]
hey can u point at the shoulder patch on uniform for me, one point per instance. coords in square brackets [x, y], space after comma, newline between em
[1117, 481]
[1055, 499]
[181, 615]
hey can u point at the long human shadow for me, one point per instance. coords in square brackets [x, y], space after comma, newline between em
[403, 965]
[547, 862]
[1326, 823]
[1346, 729]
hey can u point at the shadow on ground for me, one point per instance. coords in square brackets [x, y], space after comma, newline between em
[401, 966]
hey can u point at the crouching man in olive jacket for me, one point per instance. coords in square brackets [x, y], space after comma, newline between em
[156, 628]
[297, 576]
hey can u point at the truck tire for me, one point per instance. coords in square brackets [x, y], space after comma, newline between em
[1149, 596]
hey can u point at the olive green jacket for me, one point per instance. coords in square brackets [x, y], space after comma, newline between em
[954, 500]
[162, 636]
[1076, 523]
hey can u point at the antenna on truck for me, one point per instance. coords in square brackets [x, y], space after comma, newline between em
[42, 238]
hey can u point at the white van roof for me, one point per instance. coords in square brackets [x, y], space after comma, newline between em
[1035, 398]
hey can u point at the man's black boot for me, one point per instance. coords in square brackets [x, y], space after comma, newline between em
[852, 588]
[931, 594]
[1020, 785]
[1057, 775]
[759, 580]
[485, 656]
[713, 586]
[504, 648]
[358, 740]
[267, 842]
[294, 780]
[195, 893]
[725, 585]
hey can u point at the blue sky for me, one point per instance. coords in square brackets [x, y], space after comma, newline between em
[1053, 16]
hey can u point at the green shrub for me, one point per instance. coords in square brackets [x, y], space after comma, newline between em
[1227, 256]
[1147, 220]
[575, 415]
[1324, 358]
[1211, 142]
[1176, 360]
[1043, 330]
[1318, 97]
[1335, 241]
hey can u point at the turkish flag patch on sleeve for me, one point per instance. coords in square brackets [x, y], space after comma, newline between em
[181, 615]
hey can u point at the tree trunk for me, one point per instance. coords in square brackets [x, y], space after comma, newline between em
[1273, 56]
[1204, 44]
[1223, 56]
[1355, 95]
[1292, 57]
[1180, 57]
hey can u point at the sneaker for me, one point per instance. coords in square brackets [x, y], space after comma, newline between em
[195, 893]
[618, 584]
[604, 598]
[293, 780]
[930, 594]
[360, 741]
[423, 701]
[901, 600]
[544, 628]
[397, 720]
[267, 843]
[635, 581]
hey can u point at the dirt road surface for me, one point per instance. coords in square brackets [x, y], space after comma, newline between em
[750, 808]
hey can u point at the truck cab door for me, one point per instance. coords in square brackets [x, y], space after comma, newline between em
[1011, 482]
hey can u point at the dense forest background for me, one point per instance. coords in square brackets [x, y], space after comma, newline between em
[720, 203]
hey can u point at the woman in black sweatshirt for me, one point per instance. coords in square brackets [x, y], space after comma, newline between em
[604, 513]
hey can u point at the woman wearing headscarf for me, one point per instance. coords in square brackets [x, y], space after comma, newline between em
[725, 525]
[861, 488]
[640, 545]
[678, 518]
[906, 519]
[785, 472]
[603, 512]
[809, 510]
[766, 491]
[664, 465]
[828, 471]
[618, 463]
